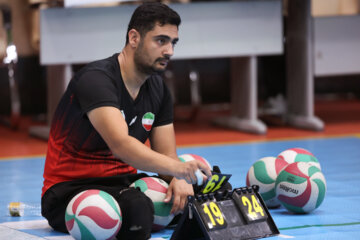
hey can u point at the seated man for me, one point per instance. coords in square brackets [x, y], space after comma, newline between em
[110, 108]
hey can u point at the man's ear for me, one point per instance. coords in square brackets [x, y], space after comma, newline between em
[134, 38]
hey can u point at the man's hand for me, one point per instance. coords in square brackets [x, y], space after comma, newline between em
[178, 191]
[187, 171]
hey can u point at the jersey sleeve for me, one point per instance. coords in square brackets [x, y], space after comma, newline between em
[166, 113]
[95, 89]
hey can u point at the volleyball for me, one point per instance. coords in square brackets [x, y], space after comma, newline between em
[299, 155]
[192, 157]
[156, 188]
[300, 187]
[264, 173]
[93, 214]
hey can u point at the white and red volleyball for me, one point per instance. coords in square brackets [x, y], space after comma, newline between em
[93, 214]
[192, 157]
[263, 173]
[156, 189]
[300, 187]
[299, 155]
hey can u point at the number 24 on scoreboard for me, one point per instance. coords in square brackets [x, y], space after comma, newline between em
[251, 208]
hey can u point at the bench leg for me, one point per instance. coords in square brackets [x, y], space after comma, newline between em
[244, 110]
[299, 67]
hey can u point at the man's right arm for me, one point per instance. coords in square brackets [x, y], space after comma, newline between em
[112, 127]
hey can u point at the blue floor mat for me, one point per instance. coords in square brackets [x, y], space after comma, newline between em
[337, 217]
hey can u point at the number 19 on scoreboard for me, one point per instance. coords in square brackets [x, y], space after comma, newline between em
[212, 216]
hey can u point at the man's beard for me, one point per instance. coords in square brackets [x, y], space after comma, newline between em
[145, 68]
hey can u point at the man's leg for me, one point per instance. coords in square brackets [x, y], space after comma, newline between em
[138, 215]
[53, 210]
[56, 199]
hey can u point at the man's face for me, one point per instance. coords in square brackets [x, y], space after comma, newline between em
[155, 49]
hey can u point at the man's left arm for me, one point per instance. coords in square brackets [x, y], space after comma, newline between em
[162, 140]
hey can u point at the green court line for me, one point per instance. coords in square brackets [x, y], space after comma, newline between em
[321, 225]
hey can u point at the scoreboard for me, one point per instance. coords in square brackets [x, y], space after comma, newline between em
[226, 215]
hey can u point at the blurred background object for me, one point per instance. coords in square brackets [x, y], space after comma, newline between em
[333, 78]
[335, 7]
[10, 59]
[29, 72]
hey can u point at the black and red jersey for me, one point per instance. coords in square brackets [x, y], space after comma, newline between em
[75, 148]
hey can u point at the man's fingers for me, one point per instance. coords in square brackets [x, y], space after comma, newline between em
[168, 195]
[191, 177]
[194, 177]
[193, 172]
[205, 169]
[182, 204]
[176, 204]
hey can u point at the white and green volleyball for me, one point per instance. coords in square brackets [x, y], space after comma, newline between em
[191, 157]
[264, 173]
[299, 155]
[300, 187]
[156, 189]
[93, 214]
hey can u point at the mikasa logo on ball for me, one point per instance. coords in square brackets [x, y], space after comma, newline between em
[288, 189]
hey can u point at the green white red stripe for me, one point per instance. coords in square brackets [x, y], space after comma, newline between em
[148, 120]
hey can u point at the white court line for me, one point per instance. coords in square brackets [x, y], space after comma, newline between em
[60, 238]
[285, 236]
[8, 230]
[8, 233]
[23, 225]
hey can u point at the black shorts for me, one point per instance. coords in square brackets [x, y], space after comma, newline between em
[137, 209]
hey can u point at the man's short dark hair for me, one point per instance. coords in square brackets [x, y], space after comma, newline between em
[148, 14]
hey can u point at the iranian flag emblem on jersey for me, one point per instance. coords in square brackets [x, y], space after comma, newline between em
[148, 120]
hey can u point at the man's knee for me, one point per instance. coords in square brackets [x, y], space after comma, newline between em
[138, 215]
[53, 212]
